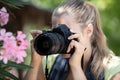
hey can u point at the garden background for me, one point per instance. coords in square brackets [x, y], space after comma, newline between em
[109, 12]
[36, 14]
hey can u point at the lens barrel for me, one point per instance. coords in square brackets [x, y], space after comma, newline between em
[49, 43]
[53, 42]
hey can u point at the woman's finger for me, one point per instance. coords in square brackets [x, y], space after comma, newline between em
[79, 47]
[72, 44]
[75, 36]
[34, 33]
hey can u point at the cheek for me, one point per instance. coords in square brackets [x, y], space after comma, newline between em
[85, 36]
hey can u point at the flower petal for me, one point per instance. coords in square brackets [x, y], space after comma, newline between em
[3, 9]
[5, 60]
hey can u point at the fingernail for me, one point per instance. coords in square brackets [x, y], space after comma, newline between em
[71, 30]
[68, 51]
[69, 38]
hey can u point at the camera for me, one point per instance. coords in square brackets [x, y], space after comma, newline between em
[53, 41]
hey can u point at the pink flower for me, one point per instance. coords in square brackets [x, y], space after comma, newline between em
[22, 43]
[20, 36]
[4, 16]
[8, 45]
[20, 55]
[4, 56]
[21, 47]
[4, 34]
[13, 48]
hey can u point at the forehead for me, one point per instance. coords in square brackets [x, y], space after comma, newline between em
[67, 20]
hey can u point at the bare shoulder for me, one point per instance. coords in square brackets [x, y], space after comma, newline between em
[116, 76]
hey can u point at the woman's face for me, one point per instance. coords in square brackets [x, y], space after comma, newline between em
[75, 27]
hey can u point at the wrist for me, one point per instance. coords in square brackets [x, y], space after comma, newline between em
[78, 73]
[36, 63]
[74, 63]
[76, 67]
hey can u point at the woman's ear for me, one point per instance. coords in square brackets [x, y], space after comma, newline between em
[89, 30]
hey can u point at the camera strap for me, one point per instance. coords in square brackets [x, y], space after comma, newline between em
[60, 69]
[82, 60]
[46, 68]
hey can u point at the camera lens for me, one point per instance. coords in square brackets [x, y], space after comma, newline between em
[49, 43]
[54, 41]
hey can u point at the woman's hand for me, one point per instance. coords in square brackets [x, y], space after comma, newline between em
[36, 58]
[77, 42]
[36, 72]
[75, 60]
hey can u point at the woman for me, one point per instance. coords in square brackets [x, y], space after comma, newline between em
[82, 18]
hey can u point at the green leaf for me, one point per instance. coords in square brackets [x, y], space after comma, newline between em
[15, 65]
[14, 3]
[2, 79]
[7, 74]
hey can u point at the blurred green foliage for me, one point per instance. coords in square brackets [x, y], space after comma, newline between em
[110, 18]
[49, 4]
[13, 3]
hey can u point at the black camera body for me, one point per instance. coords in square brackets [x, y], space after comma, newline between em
[53, 41]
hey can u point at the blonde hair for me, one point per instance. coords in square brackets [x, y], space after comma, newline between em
[85, 12]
